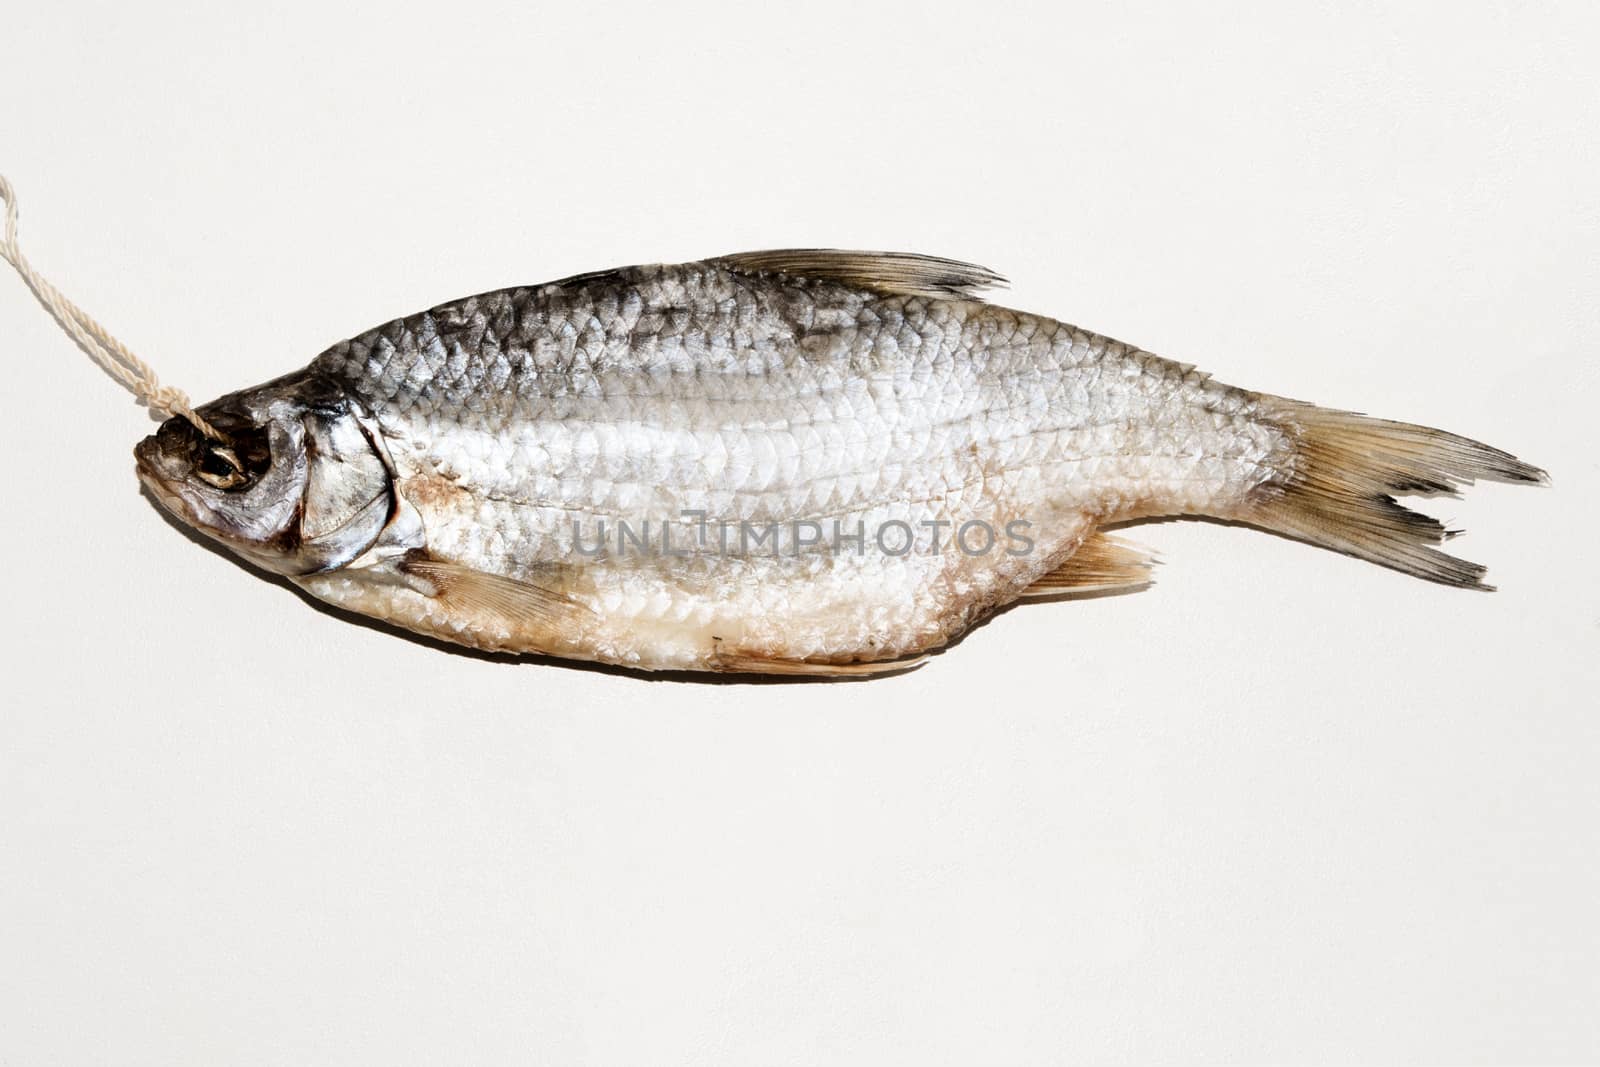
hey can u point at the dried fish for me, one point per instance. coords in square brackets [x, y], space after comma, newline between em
[805, 462]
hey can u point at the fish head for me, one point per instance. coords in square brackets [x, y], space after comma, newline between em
[301, 485]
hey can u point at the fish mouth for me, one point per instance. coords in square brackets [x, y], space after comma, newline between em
[144, 458]
[150, 464]
[147, 466]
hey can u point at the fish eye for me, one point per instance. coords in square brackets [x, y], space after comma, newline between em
[220, 467]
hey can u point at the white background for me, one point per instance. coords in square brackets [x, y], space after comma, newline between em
[1284, 806]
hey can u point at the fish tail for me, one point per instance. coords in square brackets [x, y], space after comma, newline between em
[1338, 484]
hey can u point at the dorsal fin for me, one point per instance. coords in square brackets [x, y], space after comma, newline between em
[891, 273]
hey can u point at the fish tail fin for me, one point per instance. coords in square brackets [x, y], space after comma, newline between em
[1338, 485]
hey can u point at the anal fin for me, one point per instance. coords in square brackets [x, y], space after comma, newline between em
[1102, 564]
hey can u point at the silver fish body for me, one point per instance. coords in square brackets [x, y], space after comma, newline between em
[792, 462]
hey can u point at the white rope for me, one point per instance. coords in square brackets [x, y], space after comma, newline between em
[93, 338]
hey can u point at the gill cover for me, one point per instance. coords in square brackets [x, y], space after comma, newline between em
[348, 495]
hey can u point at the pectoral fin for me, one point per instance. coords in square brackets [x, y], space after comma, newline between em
[475, 592]
[1102, 564]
